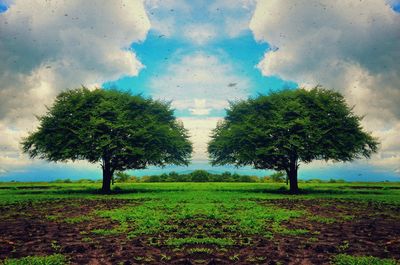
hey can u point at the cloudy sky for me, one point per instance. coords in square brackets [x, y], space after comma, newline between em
[199, 54]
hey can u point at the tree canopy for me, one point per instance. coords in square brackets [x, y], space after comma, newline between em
[120, 130]
[279, 130]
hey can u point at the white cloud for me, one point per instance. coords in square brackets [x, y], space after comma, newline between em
[163, 15]
[235, 15]
[351, 46]
[200, 131]
[10, 155]
[200, 34]
[389, 155]
[235, 26]
[214, 19]
[49, 46]
[200, 81]
[200, 107]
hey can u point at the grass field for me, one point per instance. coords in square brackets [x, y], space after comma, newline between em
[199, 223]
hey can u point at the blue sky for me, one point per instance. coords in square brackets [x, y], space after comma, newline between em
[242, 52]
[199, 54]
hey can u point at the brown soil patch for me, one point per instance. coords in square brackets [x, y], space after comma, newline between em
[357, 228]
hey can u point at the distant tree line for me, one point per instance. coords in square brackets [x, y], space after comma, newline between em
[200, 176]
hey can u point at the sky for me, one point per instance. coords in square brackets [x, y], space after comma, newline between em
[200, 54]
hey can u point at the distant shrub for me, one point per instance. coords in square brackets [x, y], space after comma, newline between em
[336, 181]
[254, 179]
[85, 181]
[121, 177]
[200, 176]
[133, 179]
[314, 181]
[278, 177]
[226, 177]
[205, 176]
[145, 179]
[58, 181]
[154, 178]
[265, 179]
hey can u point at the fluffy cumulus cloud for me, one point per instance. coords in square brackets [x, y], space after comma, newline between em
[190, 20]
[200, 82]
[50, 46]
[163, 15]
[350, 46]
[200, 130]
[236, 15]
[200, 34]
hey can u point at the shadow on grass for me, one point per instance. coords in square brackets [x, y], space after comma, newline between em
[27, 187]
[89, 191]
[283, 190]
[308, 191]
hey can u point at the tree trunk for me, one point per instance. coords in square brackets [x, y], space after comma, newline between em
[107, 176]
[292, 175]
[294, 187]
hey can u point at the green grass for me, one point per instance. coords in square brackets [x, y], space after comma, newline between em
[322, 219]
[19, 192]
[289, 232]
[191, 206]
[221, 242]
[55, 259]
[160, 204]
[200, 250]
[78, 219]
[343, 259]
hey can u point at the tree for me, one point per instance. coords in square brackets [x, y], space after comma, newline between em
[117, 129]
[279, 130]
